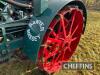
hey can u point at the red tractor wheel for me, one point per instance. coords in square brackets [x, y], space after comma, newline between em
[61, 39]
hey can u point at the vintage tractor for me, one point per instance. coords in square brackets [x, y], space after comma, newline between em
[47, 31]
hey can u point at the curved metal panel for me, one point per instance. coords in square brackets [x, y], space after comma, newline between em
[38, 26]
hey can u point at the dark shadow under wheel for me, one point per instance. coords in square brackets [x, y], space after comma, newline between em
[61, 39]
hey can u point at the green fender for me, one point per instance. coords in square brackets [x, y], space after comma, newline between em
[38, 26]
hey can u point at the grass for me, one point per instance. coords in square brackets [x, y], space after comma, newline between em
[88, 50]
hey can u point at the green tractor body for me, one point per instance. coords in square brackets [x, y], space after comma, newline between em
[24, 26]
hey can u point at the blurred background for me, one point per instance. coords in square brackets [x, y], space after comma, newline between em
[88, 49]
[92, 4]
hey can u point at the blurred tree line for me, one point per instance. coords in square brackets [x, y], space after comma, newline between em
[92, 4]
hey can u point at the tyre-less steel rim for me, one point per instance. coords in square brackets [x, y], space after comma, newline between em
[61, 39]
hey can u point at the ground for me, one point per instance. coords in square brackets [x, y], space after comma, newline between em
[87, 51]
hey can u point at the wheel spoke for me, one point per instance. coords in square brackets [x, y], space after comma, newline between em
[53, 33]
[57, 58]
[51, 54]
[53, 40]
[61, 40]
[53, 59]
[59, 31]
[72, 19]
[61, 49]
[64, 52]
[73, 39]
[62, 23]
[75, 30]
[69, 48]
[54, 22]
[46, 52]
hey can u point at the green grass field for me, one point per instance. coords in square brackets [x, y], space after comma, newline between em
[88, 50]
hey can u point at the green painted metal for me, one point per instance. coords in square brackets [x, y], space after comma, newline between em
[9, 42]
[2, 0]
[38, 26]
[13, 43]
[39, 6]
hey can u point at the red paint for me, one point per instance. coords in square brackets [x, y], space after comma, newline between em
[61, 40]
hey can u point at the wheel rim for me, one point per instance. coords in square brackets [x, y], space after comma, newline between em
[61, 39]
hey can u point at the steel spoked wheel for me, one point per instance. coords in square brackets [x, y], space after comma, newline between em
[61, 39]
